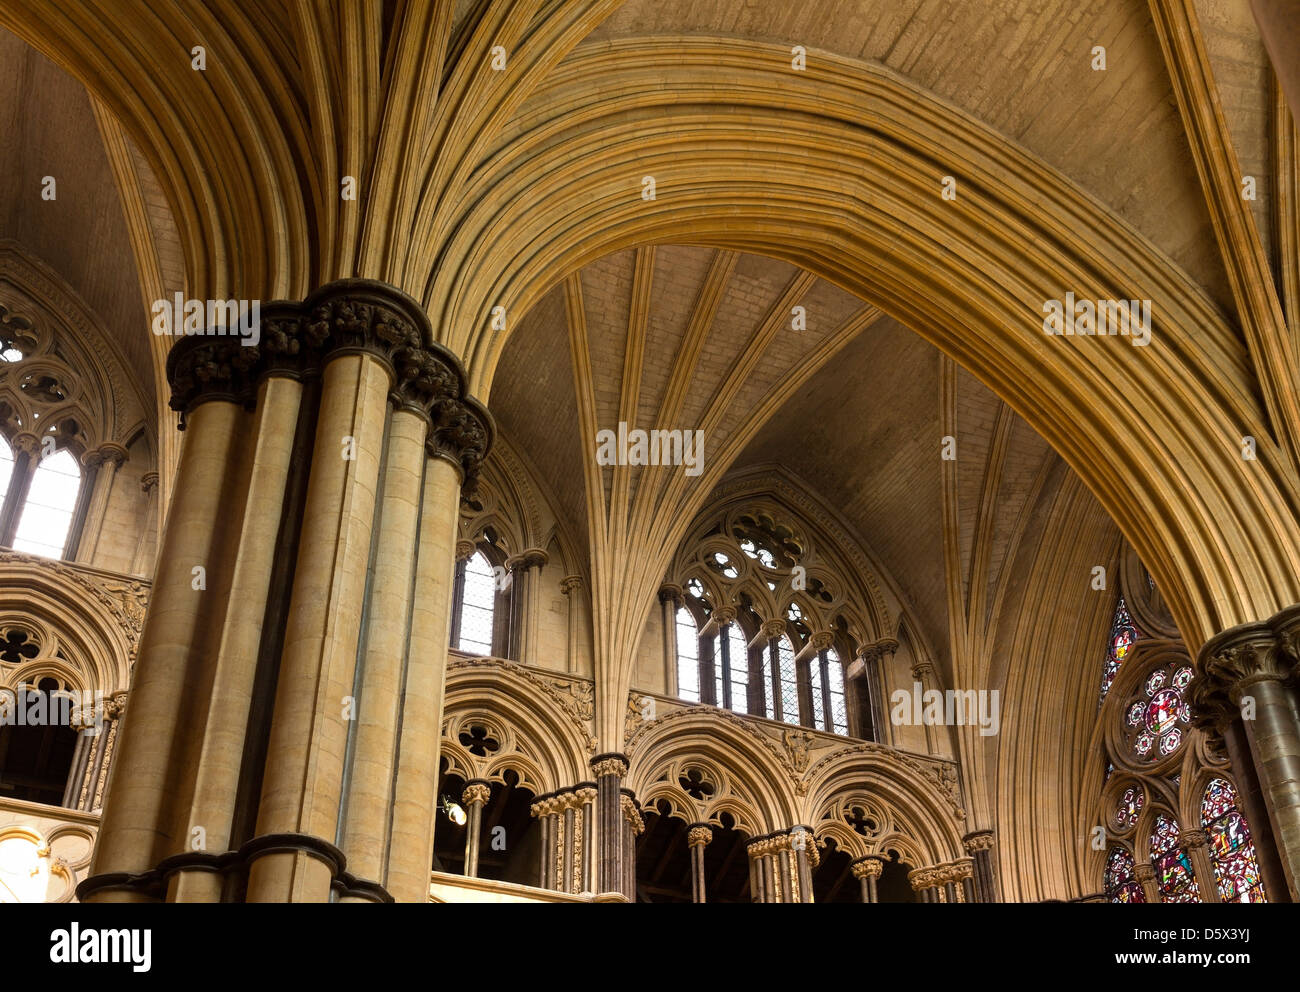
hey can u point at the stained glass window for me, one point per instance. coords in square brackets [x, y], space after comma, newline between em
[1130, 805]
[477, 605]
[783, 704]
[1232, 852]
[49, 507]
[688, 656]
[1174, 875]
[1156, 720]
[1123, 635]
[1120, 881]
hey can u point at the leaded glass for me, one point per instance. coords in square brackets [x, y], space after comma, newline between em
[1151, 720]
[1118, 878]
[1232, 854]
[1130, 805]
[478, 600]
[835, 687]
[688, 656]
[1174, 874]
[1123, 635]
[789, 681]
[1183, 677]
[51, 502]
[738, 663]
[818, 700]
[1135, 714]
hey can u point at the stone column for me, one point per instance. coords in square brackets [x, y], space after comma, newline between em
[571, 586]
[867, 871]
[806, 857]
[1248, 674]
[587, 796]
[104, 461]
[697, 839]
[865, 671]
[475, 797]
[287, 561]
[539, 812]
[1145, 873]
[979, 845]
[670, 600]
[926, 882]
[633, 827]
[609, 770]
[924, 678]
[965, 879]
[523, 604]
[1197, 845]
[94, 755]
[140, 561]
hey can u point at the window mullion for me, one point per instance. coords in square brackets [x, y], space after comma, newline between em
[19, 484]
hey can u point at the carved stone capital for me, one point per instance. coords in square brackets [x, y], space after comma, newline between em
[465, 550]
[978, 840]
[532, 558]
[585, 795]
[1229, 665]
[868, 867]
[671, 593]
[149, 482]
[477, 792]
[773, 628]
[822, 640]
[887, 646]
[699, 835]
[1144, 872]
[923, 672]
[1193, 838]
[724, 615]
[609, 764]
[110, 452]
[631, 814]
[569, 583]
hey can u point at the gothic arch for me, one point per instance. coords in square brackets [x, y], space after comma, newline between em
[753, 785]
[536, 736]
[869, 219]
[905, 793]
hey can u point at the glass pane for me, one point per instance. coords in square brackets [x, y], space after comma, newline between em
[478, 603]
[818, 702]
[789, 681]
[738, 656]
[835, 686]
[51, 500]
[688, 656]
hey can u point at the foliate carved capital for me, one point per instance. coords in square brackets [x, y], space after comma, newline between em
[1144, 872]
[773, 628]
[887, 646]
[631, 814]
[869, 654]
[570, 583]
[609, 764]
[532, 558]
[108, 453]
[671, 593]
[203, 369]
[478, 793]
[923, 878]
[149, 482]
[465, 550]
[1193, 838]
[868, 867]
[699, 835]
[979, 840]
[586, 795]
[724, 615]
[923, 671]
[1229, 665]
[822, 640]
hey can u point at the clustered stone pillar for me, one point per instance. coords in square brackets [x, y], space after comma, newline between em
[475, 797]
[566, 838]
[1246, 688]
[697, 839]
[523, 603]
[979, 845]
[96, 736]
[781, 866]
[633, 827]
[103, 463]
[282, 739]
[946, 883]
[866, 671]
[867, 871]
[609, 770]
